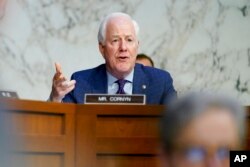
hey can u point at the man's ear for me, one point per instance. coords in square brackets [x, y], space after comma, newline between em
[101, 48]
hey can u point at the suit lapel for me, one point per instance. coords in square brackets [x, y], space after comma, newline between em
[140, 81]
[99, 82]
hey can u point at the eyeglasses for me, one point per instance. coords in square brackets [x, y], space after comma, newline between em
[199, 154]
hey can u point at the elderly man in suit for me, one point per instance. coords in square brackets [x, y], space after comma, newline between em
[118, 44]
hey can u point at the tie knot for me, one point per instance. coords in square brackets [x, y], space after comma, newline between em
[121, 83]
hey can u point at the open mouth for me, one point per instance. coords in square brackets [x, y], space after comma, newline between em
[123, 58]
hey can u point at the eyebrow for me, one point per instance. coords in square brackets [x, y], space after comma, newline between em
[118, 36]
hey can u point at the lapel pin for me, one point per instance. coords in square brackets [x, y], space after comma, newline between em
[144, 86]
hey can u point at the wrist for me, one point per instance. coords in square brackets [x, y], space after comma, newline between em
[55, 99]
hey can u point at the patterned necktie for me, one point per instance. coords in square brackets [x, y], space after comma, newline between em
[121, 83]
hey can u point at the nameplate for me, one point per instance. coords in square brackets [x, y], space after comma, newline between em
[8, 94]
[115, 99]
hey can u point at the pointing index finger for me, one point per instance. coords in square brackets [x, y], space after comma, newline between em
[58, 68]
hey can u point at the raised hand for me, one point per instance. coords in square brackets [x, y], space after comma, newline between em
[61, 86]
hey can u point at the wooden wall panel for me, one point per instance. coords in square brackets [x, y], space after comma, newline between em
[37, 160]
[123, 136]
[85, 140]
[127, 161]
[126, 134]
[38, 123]
[127, 145]
[44, 133]
[126, 126]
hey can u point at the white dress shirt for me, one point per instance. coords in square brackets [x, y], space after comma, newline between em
[113, 86]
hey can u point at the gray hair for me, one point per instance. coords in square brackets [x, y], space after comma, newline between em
[102, 28]
[182, 111]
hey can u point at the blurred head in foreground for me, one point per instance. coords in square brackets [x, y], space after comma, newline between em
[9, 156]
[144, 60]
[200, 129]
[4, 139]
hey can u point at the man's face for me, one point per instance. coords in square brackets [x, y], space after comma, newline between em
[120, 47]
[205, 142]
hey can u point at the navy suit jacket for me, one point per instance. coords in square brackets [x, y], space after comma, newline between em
[159, 84]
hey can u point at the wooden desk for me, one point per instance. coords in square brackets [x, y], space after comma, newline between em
[45, 132]
[58, 135]
[123, 136]
[68, 135]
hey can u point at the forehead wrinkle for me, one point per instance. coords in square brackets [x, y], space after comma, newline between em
[118, 35]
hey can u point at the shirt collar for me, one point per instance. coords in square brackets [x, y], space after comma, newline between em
[112, 79]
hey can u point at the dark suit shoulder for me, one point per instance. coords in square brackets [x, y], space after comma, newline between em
[159, 84]
[88, 73]
[153, 73]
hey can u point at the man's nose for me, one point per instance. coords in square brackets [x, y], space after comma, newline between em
[214, 162]
[123, 45]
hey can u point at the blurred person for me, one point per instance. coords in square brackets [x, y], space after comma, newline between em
[199, 130]
[118, 44]
[2, 8]
[4, 138]
[7, 141]
[144, 60]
